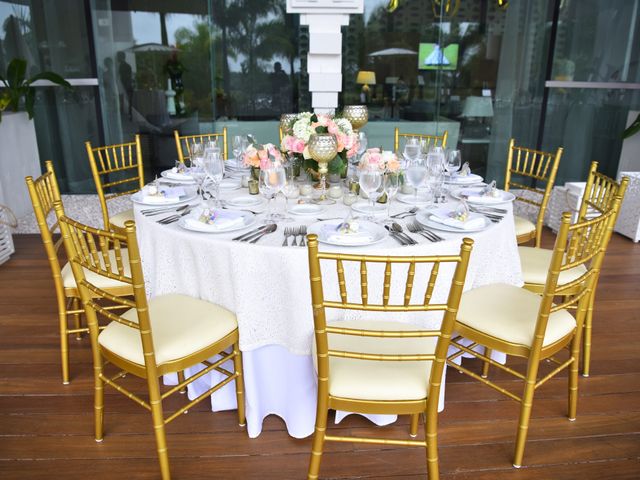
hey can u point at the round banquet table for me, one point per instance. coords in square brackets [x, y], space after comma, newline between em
[267, 286]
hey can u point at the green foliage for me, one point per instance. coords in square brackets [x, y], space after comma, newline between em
[15, 86]
[633, 128]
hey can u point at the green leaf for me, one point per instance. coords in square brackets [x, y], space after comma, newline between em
[29, 101]
[52, 77]
[15, 72]
[633, 128]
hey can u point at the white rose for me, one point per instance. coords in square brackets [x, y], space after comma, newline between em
[344, 125]
[302, 129]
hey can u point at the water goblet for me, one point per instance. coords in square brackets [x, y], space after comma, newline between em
[213, 165]
[289, 190]
[271, 181]
[370, 181]
[415, 174]
[411, 149]
[391, 184]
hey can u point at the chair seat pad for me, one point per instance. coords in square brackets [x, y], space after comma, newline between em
[510, 314]
[119, 219]
[181, 326]
[98, 280]
[535, 266]
[379, 380]
[523, 226]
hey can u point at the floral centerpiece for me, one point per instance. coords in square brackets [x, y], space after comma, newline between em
[385, 161]
[261, 157]
[296, 134]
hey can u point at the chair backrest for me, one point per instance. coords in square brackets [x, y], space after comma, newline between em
[183, 143]
[582, 244]
[88, 249]
[534, 167]
[425, 304]
[114, 166]
[44, 192]
[431, 140]
[600, 193]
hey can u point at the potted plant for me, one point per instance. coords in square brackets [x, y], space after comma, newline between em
[19, 153]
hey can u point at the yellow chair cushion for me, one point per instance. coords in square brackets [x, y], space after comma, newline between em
[119, 219]
[535, 266]
[373, 379]
[523, 226]
[180, 326]
[98, 280]
[510, 313]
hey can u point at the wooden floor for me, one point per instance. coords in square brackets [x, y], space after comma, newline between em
[46, 428]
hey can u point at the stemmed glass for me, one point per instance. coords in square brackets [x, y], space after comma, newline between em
[415, 173]
[370, 181]
[390, 183]
[238, 146]
[213, 165]
[436, 165]
[197, 170]
[411, 149]
[453, 161]
[289, 190]
[272, 180]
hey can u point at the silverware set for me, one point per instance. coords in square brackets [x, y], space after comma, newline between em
[417, 228]
[175, 217]
[396, 232]
[256, 234]
[295, 233]
[150, 212]
[492, 213]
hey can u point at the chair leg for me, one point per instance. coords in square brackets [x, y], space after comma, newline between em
[75, 305]
[431, 437]
[485, 365]
[237, 365]
[525, 412]
[586, 361]
[413, 429]
[318, 438]
[573, 380]
[180, 380]
[64, 346]
[158, 426]
[98, 401]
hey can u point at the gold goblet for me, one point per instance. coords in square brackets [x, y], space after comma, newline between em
[285, 121]
[358, 115]
[323, 148]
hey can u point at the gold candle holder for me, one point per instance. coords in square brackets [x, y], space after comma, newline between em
[358, 115]
[323, 148]
[285, 120]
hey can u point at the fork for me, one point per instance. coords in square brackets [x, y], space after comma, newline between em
[294, 234]
[173, 218]
[287, 234]
[415, 227]
[302, 231]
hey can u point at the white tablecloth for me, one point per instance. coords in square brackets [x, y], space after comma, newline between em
[267, 286]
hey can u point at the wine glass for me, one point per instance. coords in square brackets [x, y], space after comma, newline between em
[238, 146]
[213, 165]
[370, 181]
[415, 173]
[391, 183]
[436, 165]
[196, 170]
[272, 180]
[289, 190]
[362, 147]
[411, 149]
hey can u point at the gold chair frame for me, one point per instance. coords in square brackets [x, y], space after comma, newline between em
[435, 140]
[115, 159]
[538, 166]
[44, 192]
[599, 197]
[183, 143]
[88, 249]
[427, 406]
[578, 244]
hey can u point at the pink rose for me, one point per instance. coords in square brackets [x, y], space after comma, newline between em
[288, 142]
[298, 145]
[263, 155]
[265, 163]
[333, 128]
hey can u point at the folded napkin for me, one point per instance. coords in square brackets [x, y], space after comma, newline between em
[167, 195]
[473, 221]
[224, 220]
[471, 178]
[177, 175]
[330, 234]
[476, 195]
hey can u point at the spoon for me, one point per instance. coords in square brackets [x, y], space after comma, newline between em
[405, 214]
[270, 229]
[398, 229]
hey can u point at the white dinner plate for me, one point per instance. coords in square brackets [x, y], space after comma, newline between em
[423, 217]
[470, 179]
[378, 232]
[230, 184]
[138, 198]
[245, 201]
[176, 177]
[506, 197]
[409, 199]
[306, 209]
[364, 206]
[247, 217]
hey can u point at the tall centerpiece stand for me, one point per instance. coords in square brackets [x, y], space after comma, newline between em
[323, 148]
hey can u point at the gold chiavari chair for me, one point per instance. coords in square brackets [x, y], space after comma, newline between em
[113, 166]
[534, 167]
[599, 195]
[183, 143]
[44, 192]
[525, 324]
[431, 140]
[152, 337]
[381, 367]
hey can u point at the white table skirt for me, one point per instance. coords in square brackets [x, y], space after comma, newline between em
[267, 286]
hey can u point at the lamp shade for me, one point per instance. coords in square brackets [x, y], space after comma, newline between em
[477, 107]
[366, 78]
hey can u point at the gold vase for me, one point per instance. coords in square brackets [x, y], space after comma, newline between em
[323, 148]
[358, 115]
